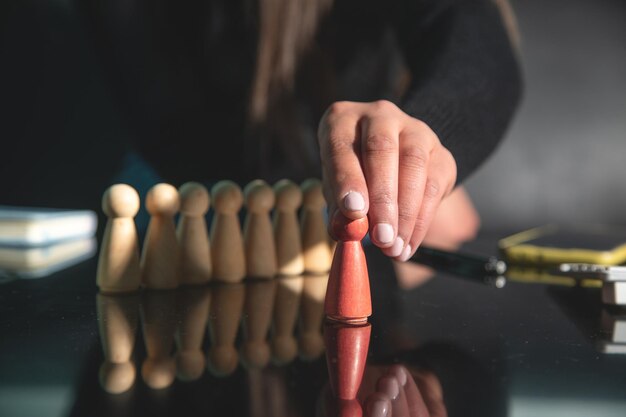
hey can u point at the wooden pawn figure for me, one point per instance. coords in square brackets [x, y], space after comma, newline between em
[258, 237]
[348, 296]
[286, 307]
[159, 259]
[118, 264]
[193, 239]
[290, 261]
[227, 253]
[316, 251]
[117, 323]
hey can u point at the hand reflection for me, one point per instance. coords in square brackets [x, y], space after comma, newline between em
[400, 393]
[393, 391]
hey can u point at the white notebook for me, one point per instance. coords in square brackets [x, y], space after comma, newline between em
[27, 227]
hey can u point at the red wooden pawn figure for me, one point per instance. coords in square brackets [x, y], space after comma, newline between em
[346, 354]
[348, 297]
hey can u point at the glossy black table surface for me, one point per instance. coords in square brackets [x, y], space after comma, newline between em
[527, 349]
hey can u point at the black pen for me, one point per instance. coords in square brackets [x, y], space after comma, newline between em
[464, 264]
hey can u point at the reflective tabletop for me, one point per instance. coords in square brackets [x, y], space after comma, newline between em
[459, 346]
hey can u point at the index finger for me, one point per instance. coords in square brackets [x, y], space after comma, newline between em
[341, 166]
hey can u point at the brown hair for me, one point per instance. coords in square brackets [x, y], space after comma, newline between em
[510, 22]
[286, 31]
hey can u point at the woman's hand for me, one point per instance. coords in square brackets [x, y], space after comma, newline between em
[380, 162]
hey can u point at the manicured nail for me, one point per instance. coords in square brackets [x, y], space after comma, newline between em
[406, 253]
[354, 201]
[397, 247]
[379, 408]
[383, 233]
[399, 373]
[389, 385]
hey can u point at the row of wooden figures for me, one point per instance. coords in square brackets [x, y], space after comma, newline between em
[184, 254]
[270, 312]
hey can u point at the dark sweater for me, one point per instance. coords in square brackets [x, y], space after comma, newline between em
[184, 73]
[466, 79]
[180, 76]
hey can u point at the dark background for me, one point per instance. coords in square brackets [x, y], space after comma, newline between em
[561, 161]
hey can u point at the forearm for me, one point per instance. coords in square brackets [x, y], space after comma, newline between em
[466, 82]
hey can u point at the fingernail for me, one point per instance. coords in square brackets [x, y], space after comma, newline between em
[400, 374]
[389, 386]
[406, 253]
[397, 247]
[354, 201]
[379, 408]
[383, 233]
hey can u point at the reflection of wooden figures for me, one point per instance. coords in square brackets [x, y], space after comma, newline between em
[159, 319]
[227, 254]
[159, 259]
[257, 319]
[193, 304]
[224, 317]
[193, 239]
[316, 252]
[258, 237]
[310, 341]
[285, 316]
[118, 265]
[268, 394]
[346, 354]
[348, 296]
[117, 321]
[287, 230]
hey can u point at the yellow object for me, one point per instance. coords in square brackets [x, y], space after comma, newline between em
[530, 247]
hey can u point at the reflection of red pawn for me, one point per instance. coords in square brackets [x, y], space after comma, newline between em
[342, 408]
[346, 353]
[348, 295]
